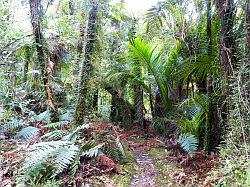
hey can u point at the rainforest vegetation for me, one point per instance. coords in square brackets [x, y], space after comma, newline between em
[93, 94]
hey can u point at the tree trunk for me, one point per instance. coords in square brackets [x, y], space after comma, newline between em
[226, 11]
[212, 134]
[79, 51]
[123, 109]
[138, 105]
[46, 66]
[215, 127]
[26, 63]
[137, 88]
[35, 11]
[87, 67]
[247, 63]
[159, 107]
[95, 100]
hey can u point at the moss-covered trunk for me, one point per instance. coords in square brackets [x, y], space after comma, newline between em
[87, 67]
[35, 11]
[46, 66]
[124, 111]
[27, 51]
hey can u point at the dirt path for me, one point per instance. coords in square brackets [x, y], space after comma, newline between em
[147, 172]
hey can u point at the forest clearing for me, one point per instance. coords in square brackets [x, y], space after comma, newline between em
[123, 93]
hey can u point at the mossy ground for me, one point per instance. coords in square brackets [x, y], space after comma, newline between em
[164, 169]
[128, 168]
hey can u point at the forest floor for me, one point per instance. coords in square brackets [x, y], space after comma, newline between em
[149, 162]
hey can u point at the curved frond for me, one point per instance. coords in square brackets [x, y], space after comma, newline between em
[146, 53]
[59, 153]
[12, 125]
[54, 135]
[27, 132]
[91, 149]
[189, 143]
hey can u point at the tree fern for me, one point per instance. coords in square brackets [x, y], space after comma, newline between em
[188, 142]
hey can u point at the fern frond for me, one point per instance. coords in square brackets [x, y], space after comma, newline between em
[56, 125]
[91, 149]
[115, 154]
[188, 142]
[27, 132]
[12, 125]
[68, 116]
[120, 147]
[42, 117]
[146, 53]
[64, 157]
[54, 135]
[74, 135]
[40, 153]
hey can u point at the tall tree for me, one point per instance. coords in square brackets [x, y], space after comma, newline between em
[226, 9]
[248, 32]
[87, 67]
[46, 66]
[137, 88]
[36, 11]
[213, 136]
[27, 51]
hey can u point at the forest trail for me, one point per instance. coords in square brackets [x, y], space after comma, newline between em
[147, 172]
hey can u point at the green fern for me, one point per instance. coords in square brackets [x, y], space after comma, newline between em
[54, 135]
[56, 125]
[27, 132]
[59, 155]
[146, 53]
[91, 149]
[68, 116]
[12, 125]
[42, 117]
[75, 134]
[64, 157]
[40, 153]
[115, 154]
[188, 142]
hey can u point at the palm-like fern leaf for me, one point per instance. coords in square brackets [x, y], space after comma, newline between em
[146, 53]
[155, 16]
[189, 143]
[129, 76]
[200, 66]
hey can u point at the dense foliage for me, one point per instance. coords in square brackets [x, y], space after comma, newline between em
[181, 68]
